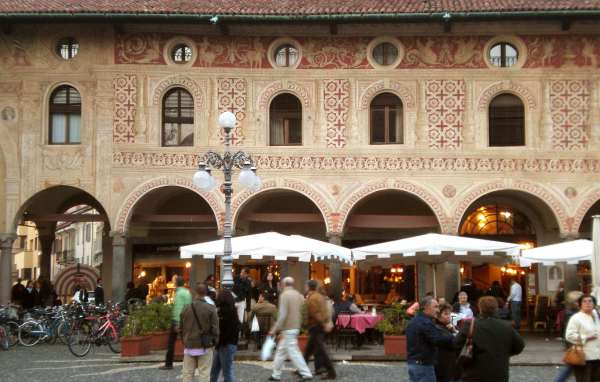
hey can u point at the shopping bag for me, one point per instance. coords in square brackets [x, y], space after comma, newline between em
[255, 327]
[267, 348]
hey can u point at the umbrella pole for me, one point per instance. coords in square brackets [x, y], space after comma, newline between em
[434, 269]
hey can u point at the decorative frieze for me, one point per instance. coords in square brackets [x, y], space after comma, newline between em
[336, 105]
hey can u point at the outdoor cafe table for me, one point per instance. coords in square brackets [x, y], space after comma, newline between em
[359, 321]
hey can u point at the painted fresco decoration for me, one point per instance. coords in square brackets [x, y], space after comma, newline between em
[562, 51]
[570, 114]
[231, 93]
[349, 53]
[445, 112]
[334, 53]
[139, 48]
[444, 52]
[336, 104]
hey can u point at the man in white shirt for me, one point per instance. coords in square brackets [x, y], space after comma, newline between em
[515, 299]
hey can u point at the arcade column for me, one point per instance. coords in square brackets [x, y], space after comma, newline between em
[6, 262]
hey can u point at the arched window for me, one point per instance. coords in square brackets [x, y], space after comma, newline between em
[285, 117]
[507, 121]
[178, 118]
[386, 120]
[65, 116]
[500, 220]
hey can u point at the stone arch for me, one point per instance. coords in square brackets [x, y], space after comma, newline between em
[278, 87]
[403, 92]
[495, 89]
[589, 200]
[125, 211]
[180, 81]
[399, 185]
[540, 192]
[85, 193]
[303, 188]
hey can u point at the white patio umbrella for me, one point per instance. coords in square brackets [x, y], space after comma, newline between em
[570, 252]
[433, 247]
[270, 244]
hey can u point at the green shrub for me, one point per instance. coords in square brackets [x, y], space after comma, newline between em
[395, 320]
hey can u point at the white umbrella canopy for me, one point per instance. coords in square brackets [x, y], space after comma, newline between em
[437, 248]
[270, 244]
[570, 252]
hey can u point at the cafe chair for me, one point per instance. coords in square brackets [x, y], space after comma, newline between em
[345, 334]
[264, 325]
[541, 313]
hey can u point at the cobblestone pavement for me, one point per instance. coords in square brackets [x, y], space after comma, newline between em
[54, 363]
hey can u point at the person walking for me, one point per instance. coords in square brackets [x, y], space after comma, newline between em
[423, 339]
[445, 368]
[571, 308]
[584, 329]
[318, 316]
[99, 293]
[241, 290]
[199, 331]
[288, 326]
[229, 332]
[514, 300]
[183, 297]
[30, 296]
[494, 342]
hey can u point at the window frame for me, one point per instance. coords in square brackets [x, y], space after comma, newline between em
[503, 56]
[287, 46]
[184, 46]
[385, 43]
[70, 41]
[67, 109]
[286, 123]
[179, 120]
[523, 127]
[386, 108]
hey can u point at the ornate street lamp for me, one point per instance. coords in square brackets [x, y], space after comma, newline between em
[205, 181]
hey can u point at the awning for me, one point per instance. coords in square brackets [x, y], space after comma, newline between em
[570, 252]
[437, 248]
[270, 244]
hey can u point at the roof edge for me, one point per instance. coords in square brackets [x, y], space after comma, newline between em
[334, 17]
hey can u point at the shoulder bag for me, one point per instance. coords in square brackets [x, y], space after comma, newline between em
[466, 353]
[574, 356]
[207, 340]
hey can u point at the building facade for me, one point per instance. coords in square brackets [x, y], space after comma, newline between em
[481, 122]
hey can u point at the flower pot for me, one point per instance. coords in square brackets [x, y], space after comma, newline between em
[302, 340]
[135, 346]
[159, 340]
[395, 345]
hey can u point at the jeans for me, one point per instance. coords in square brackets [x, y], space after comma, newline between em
[190, 364]
[223, 360]
[515, 310]
[421, 373]
[287, 347]
[564, 374]
[316, 346]
[171, 344]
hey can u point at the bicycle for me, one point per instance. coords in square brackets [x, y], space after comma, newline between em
[9, 322]
[103, 330]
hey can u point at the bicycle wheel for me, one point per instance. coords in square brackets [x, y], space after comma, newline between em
[80, 341]
[3, 338]
[113, 340]
[12, 331]
[30, 333]
[64, 332]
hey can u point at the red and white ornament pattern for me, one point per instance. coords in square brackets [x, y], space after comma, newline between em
[231, 95]
[125, 87]
[445, 107]
[336, 104]
[570, 104]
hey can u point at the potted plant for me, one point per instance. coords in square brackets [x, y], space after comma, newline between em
[159, 316]
[393, 327]
[133, 342]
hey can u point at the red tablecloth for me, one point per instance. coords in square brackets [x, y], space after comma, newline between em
[360, 322]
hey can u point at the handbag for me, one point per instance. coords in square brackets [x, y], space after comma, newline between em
[267, 348]
[574, 356]
[206, 340]
[255, 326]
[466, 353]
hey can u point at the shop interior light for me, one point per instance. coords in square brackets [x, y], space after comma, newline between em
[506, 214]
[462, 270]
[327, 281]
[188, 265]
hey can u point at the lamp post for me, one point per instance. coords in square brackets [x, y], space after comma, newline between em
[227, 162]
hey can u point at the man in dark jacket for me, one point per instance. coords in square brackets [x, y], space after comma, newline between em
[99, 293]
[18, 293]
[494, 342]
[198, 319]
[241, 290]
[318, 316]
[423, 339]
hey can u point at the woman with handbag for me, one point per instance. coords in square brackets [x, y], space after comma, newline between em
[487, 345]
[583, 331]
[229, 325]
